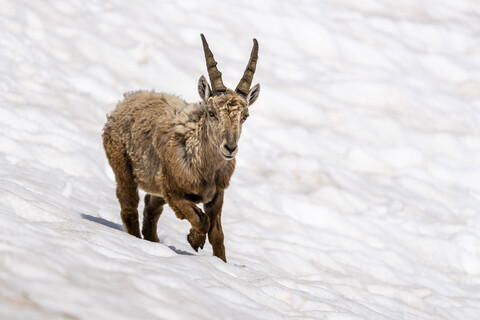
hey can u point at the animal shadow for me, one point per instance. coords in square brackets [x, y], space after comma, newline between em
[120, 227]
[102, 221]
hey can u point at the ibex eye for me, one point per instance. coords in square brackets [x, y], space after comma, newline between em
[211, 114]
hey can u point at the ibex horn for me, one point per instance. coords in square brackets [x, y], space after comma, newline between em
[244, 84]
[213, 73]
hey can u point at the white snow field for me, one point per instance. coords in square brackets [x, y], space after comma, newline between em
[357, 188]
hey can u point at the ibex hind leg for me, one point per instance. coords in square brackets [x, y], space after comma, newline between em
[151, 213]
[127, 192]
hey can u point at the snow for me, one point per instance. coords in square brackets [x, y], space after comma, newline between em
[357, 188]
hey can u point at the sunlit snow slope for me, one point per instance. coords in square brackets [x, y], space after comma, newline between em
[357, 189]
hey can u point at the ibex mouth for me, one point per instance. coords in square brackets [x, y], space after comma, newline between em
[230, 157]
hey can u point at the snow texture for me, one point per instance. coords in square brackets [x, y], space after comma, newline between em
[357, 189]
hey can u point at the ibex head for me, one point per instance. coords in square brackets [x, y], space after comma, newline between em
[226, 110]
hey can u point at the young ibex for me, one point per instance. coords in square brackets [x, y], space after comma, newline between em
[179, 153]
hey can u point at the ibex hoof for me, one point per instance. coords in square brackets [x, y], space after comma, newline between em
[151, 237]
[196, 239]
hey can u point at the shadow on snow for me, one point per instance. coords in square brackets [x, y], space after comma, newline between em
[120, 227]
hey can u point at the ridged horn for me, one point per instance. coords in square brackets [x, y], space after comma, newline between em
[213, 73]
[246, 81]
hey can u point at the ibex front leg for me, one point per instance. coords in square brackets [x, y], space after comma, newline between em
[215, 234]
[185, 209]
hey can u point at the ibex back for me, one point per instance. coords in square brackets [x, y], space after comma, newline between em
[179, 153]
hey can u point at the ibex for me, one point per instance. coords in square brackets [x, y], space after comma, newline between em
[179, 153]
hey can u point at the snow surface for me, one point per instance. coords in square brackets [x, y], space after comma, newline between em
[357, 189]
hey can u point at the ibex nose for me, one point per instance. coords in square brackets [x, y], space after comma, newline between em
[230, 149]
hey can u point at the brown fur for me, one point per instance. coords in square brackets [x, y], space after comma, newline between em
[179, 153]
[166, 147]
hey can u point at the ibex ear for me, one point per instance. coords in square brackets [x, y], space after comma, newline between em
[253, 94]
[204, 89]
